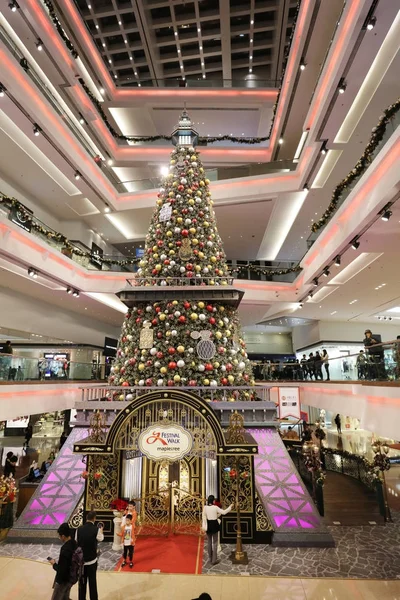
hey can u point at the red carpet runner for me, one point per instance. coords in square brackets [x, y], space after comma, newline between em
[173, 554]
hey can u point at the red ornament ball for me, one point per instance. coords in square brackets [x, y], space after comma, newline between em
[209, 308]
[160, 355]
[182, 319]
[172, 365]
[209, 367]
[125, 384]
[171, 350]
[211, 320]
[170, 382]
[192, 383]
[185, 232]
[149, 382]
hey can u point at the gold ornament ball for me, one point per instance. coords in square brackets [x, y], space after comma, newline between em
[171, 194]
[155, 255]
[144, 352]
[192, 230]
[174, 302]
[141, 366]
[158, 267]
[169, 233]
[171, 252]
[195, 241]
[216, 365]
[201, 170]
[218, 335]
[189, 191]
[228, 333]
[194, 316]
[212, 282]
[207, 181]
[155, 248]
[159, 202]
[206, 381]
[193, 157]
[168, 333]
[206, 223]
[191, 202]
[177, 378]
[213, 259]
[197, 268]
[179, 220]
[175, 184]
[163, 370]
[190, 171]
[175, 212]
[172, 162]
[198, 193]
[202, 184]
[221, 308]
[201, 304]
[162, 316]
[121, 397]
[181, 349]
[231, 378]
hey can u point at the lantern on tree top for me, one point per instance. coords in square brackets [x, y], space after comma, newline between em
[185, 134]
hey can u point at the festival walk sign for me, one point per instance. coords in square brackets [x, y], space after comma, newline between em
[165, 442]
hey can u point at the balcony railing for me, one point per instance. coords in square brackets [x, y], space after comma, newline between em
[380, 362]
[14, 368]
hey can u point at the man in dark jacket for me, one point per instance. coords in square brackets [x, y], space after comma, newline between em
[87, 536]
[62, 583]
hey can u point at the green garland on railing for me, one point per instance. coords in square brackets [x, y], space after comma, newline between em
[360, 167]
[71, 248]
[59, 27]
[154, 138]
[284, 65]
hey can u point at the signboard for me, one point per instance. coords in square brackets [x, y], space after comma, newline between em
[96, 251]
[139, 252]
[18, 423]
[110, 347]
[21, 216]
[165, 442]
[289, 402]
[165, 213]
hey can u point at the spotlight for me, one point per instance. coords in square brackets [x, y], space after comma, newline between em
[77, 175]
[81, 119]
[371, 23]
[75, 293]
[31, 272]
[315, 281]
[342, 86]
[326, 272]
[164, 171]
[110, 162]
[102, 91]
[305, 188]
[386, 214]
[355, 244]
[323, 148]
[2, 90]
[39, 45]
[13, 6]
[337, 261]
[302, 65]
[36, 129]
[107, 209]
[69, 290]
[280, 141]
[310, 295]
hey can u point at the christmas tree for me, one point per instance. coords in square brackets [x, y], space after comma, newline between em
[185, 335]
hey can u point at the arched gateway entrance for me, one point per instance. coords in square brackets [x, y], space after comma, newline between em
[168, 451]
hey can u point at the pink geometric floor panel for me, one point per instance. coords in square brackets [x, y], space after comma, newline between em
[60, 490]
[279, 486]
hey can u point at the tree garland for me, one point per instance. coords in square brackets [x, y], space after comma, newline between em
[59, 27]
[360, 167]
[68, 246]
[168, 138]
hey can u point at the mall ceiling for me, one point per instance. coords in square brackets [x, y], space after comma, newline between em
[146, 42]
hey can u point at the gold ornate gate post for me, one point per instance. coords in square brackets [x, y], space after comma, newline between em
[235, 435]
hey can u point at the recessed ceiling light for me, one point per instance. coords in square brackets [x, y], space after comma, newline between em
[353, 301]
[97, 26]
[334, 312]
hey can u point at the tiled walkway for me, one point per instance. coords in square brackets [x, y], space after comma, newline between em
[36, 582]
[361, 553]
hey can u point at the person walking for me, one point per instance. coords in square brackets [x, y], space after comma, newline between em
[87, 537]
[338, 422]
[311, 366]
[210, 525]
[361, 363]
[62, 583]
[10, 465]
[325, 360]
[128, 540]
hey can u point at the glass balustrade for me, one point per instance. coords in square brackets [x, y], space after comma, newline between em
[380, 362]
[14, 368]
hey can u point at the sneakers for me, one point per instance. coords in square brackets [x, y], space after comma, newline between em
[123, 564]
[131, 565]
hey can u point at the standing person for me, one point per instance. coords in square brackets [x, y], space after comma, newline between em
[318, 366]
[338, 422]
[87, 537]
[62, 584]
[211, 513]
[28, 435]
[7, 348]
[10, 465]
[311, 365]
[361, 365]
[376, 354]
[128, 539]
[63, 438]
[130, 510]
[325, 360]
[304, 366]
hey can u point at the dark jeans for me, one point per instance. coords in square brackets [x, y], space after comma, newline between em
[89, 574]
[61, 591]
[129, 550]
[212, 546]
[327, 371]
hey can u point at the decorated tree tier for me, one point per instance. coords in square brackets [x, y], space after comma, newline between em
[184, 340]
